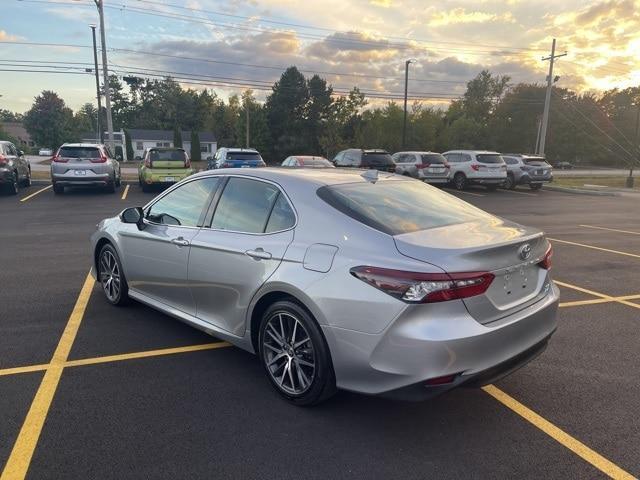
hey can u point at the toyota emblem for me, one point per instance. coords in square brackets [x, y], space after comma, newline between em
[524, 251]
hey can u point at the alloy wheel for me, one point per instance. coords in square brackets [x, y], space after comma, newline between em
[288, 353]
[110, 275]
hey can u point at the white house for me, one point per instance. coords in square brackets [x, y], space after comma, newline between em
[142, 139]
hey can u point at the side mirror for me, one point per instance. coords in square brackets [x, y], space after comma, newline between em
[20, 153]
[133, 215]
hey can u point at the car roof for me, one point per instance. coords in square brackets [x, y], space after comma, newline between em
[82, 145]
[482, 152]
[418, 152]
[239, 149]
[166, 148]
[309, 157]
[317, 177]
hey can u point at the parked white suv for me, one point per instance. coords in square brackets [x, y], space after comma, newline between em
[427, 166]
[480, 167]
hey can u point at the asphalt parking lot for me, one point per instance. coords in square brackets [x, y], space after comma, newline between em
[92, 391]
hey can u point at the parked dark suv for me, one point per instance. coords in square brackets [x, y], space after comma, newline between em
[14, 168]
[367, 159]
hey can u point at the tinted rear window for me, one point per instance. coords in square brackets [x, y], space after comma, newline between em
[534, 160]
[397, 207]
[243, 156]
[316, 162]
[489, 158]
[80, 152]
[376, 159]
[168, 155]
[433, 158]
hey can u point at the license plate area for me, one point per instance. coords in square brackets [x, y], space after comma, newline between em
[169, 179]
[80, 172]
[514, 285]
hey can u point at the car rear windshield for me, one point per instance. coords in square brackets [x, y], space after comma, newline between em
[534, 160]
[489, 158]
[168, 155]
[316, 162]
[79, 152]
[396, 207]
[433, 158]
[371, 159]
[243, 156]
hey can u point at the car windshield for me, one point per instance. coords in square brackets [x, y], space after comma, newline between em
[316, 162]
[376, 159]
[79, 152]
[489, 158]
[433, 158]
[397, 207]
[243, 156]
[168, 155]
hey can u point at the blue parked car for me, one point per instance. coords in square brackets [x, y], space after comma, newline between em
[236, 158]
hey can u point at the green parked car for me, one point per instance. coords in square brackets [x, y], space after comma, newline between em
[163, 166]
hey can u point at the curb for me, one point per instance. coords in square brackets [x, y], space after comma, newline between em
[579, 191]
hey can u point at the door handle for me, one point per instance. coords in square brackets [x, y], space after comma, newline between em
[181, 242]
[259, 254]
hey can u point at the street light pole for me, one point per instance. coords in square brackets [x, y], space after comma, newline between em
[105, 72]
[406, 85]
[95, 61]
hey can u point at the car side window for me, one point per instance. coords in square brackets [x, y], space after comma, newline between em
[282, 217]
[12, 149]
[451, 157]
[510, 161]
[185, 205]
[245, 205]
[351, 159]
[464, 157]
[339, 159]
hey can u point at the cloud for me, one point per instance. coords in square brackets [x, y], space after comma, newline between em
[5, 37]
[461, 15]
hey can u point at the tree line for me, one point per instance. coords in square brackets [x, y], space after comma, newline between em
[303, 116]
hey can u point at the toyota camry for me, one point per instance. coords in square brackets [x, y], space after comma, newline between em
[357, 280]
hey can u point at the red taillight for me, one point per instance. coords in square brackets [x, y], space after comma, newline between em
[422, 165]
[225, 165]
[3, 159]
[101, 159]
[418, 287]
[58, 159]
[475, 167]
[440, 380]
[546, 260]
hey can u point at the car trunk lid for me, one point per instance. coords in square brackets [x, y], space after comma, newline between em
[509, 251]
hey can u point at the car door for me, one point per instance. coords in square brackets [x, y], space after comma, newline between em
[18, 162]
[156, 258]
[251, 228]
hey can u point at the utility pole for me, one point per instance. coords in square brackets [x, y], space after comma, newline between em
[246, 109]
[547, 99]
[637, 142]
[406, 85]
[105, 73]
[95, 61]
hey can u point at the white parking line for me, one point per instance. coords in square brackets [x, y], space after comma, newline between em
[520, 193]
[35, 193]
[466, 193]
[610, 229]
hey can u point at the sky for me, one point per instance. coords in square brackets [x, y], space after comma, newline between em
[234, 44]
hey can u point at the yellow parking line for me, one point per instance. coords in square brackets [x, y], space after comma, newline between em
[610, 229]
[35, 193]
[594, 458]
[116, 358]
[596, 301]
[126, 190]
[146, 354]
[594, 247]
[597, 294]
[465, 192]
[20, 458]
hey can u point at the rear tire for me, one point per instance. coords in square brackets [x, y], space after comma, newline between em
[111, 276]
[459, 181]
[27, 181]
[118, 181]
[14, 185]
[509, 183]
[58, 189]
[535, 186]
[111, 186]
[146, 188]
[295, 355]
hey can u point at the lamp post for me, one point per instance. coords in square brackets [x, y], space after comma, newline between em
[406, 85]
[95, 61]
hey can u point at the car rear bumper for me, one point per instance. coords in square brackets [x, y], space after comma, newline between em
[162, 178]
[6, 175]
[427, 342]
[487, 180]
[89, 179]
[432, 178]
[530, 179]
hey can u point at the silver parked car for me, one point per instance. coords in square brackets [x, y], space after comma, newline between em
[427, 166]
[15, 170]
[522, 169]
[479, 167]
[364, 281]
[84, 165]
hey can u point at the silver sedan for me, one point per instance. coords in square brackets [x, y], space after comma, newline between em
[359, 280]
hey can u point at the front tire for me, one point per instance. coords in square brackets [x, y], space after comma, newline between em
[58, 189]
[295, 355]
[111, 277]
[509, 183]
[459, 181]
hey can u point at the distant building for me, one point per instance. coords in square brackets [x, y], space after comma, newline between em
[118, 141]
[142, 139]
[17, 131]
